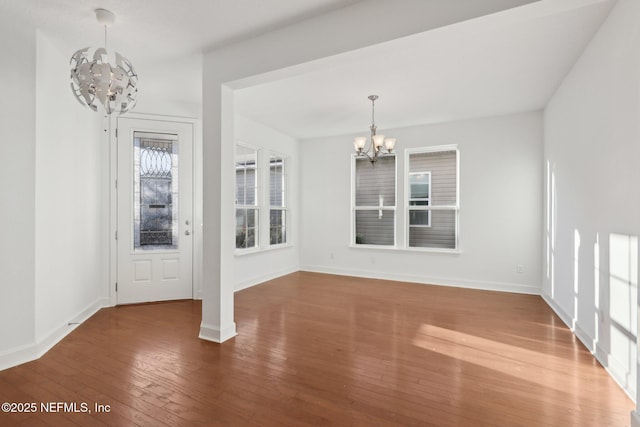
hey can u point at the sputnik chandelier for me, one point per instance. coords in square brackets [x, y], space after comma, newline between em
[379, 146]
[100, 79]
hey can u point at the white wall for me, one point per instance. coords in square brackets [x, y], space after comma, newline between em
[17, 184]
[500, 198]
[256, 267]
[274, 55]
[71, 211]
[592, 149]
[169, 88]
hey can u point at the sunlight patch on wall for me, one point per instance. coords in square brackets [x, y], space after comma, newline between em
[550, 226]
[596, 289]
[623, 290]
[576, 277]
[548, 222]
[623, 279]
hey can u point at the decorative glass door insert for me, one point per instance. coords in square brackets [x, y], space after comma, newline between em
[155, 192]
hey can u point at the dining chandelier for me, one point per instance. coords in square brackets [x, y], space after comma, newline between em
[379, 146]
[101, 79]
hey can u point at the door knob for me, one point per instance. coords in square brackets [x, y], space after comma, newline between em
[187, 233]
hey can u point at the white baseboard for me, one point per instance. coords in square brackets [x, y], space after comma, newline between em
[620, 374]
[29, 352]
[264, 278]
[585, 339]
[602, 355]
[428, 280]
[566, 319]
[17, 356]
[614, 368]
[215, 334]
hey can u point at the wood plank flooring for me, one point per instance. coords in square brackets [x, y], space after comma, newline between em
[317, 349]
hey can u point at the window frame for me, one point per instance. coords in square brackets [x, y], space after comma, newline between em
[407, 194]
[420, 208]
[255, 207]
[355, 208]
[285, 194]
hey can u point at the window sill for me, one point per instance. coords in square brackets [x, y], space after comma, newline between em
[243, 252]
[413, 250]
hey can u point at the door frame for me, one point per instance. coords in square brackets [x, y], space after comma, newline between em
[197, 199]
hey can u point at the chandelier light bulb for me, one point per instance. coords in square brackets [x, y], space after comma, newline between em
[390, 144]
[378, 140]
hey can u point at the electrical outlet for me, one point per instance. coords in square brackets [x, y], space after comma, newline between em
[331, 255]
[519, 269]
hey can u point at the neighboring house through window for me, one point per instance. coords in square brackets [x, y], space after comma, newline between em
[374, 201]
[432, 197]
[419, 192]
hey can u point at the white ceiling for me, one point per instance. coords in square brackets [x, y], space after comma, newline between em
[161, 29]
[502, 63]
[508, 62]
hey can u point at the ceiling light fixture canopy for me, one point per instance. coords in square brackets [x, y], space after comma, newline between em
[100, 79]
[379, 146]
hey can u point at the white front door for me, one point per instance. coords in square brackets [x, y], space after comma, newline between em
[155, 210]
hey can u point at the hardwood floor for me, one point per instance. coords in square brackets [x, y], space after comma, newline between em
[317, 349]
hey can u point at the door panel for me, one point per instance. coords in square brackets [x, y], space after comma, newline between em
[155, 210]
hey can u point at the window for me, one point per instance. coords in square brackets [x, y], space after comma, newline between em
[262, 216]
[247, 207]
[374, 201]
[277, 200]
[419, 191]
[432, 197]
